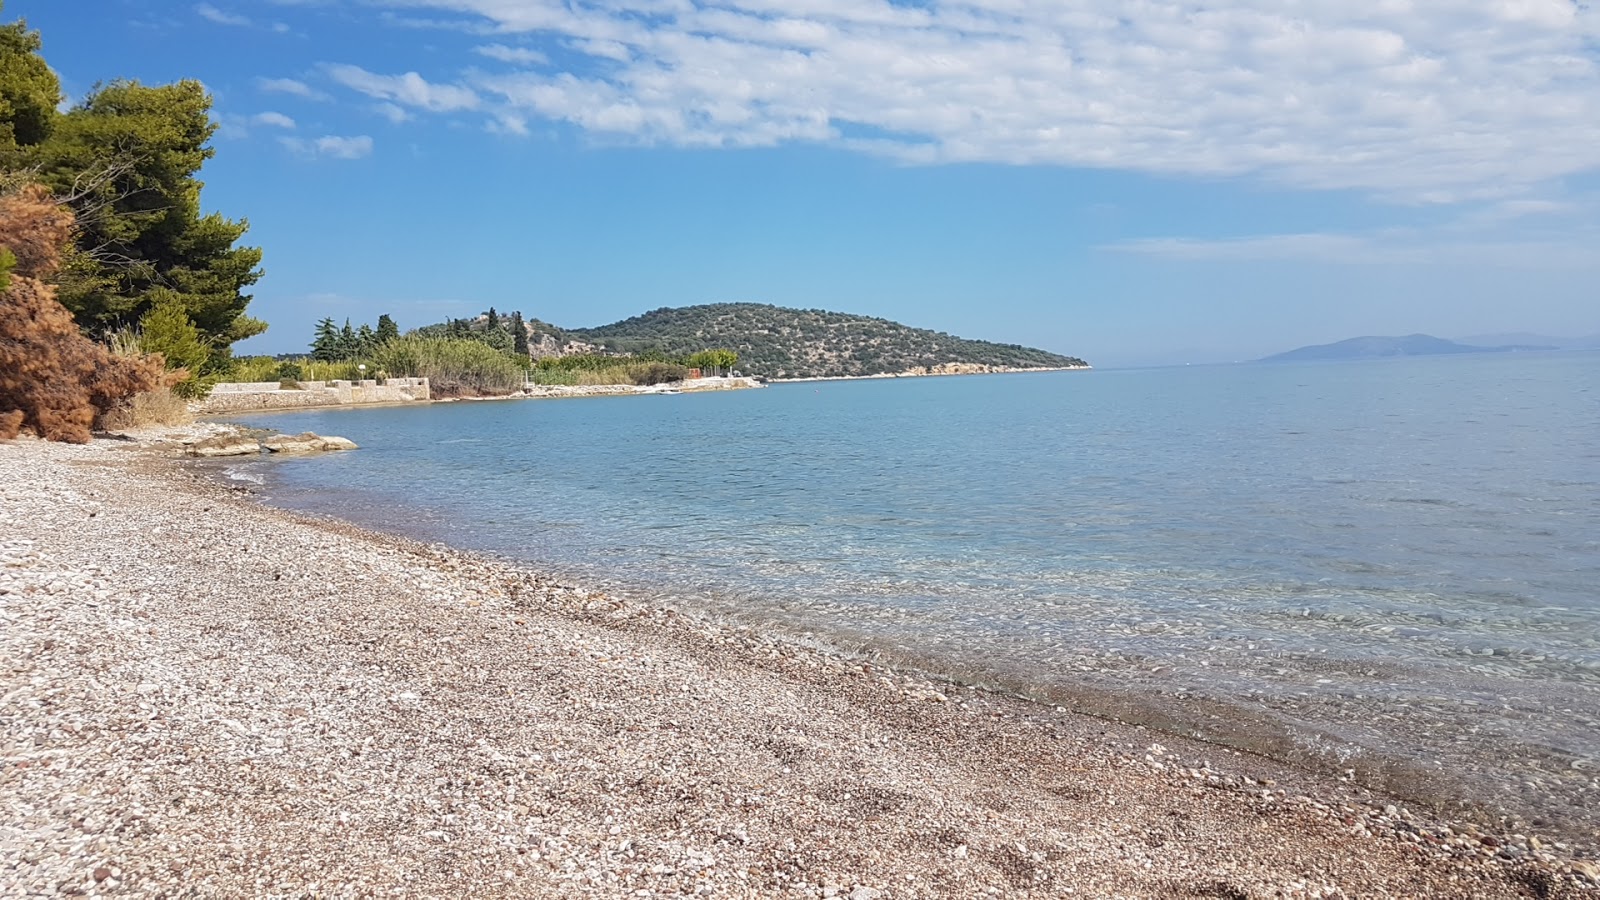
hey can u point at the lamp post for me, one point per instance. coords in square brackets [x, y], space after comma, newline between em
[361, 369]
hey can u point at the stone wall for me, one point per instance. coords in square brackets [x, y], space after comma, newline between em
[265, 395]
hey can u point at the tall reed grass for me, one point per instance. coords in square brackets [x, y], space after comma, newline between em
[454, 367]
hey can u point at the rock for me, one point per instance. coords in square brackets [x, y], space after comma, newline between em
[865, 893]
[1587, 869]
[101, 874]
[224, 445]
[306, 442]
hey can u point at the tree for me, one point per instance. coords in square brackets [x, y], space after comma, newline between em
[519, 335]
[349, 345]
[366, 340]
[387, 330]
[493, 319]
[125, 160]
[29, 91]
[325, 346]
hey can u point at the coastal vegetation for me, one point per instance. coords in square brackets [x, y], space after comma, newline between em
[120, 283]
[53, 380]
[788, 343]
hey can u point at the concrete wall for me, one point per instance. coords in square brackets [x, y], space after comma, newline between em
[263, 395]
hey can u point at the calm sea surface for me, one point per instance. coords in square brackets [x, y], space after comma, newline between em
[1390, 567]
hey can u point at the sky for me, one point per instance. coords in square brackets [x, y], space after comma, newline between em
[1136, 182]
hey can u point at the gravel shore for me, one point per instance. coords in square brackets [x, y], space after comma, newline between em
[207, 697]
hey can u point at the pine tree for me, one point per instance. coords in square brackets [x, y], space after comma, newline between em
[129, 157]
[519, 335]
[494, 319]
[325, 346]
[387, 330]
[349, 344]
[366, 340]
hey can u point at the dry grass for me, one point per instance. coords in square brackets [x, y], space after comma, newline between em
[147, 408]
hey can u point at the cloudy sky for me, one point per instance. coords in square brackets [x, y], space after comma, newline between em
[1132, 181]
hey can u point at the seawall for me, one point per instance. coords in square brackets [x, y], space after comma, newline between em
[267, 395]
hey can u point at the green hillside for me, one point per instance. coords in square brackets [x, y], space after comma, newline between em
[780, 342]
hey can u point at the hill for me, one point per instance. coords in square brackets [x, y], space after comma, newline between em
[1378, 347]
[789, 343]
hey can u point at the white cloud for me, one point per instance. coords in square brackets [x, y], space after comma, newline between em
[409, 89]
[291, 86]
[330, 146]
[508, 124]
[212, 14]
[274, 119]
[393, 113]
[1415, 102]
[520, 55]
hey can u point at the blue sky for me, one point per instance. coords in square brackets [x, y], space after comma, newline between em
[1132, 182]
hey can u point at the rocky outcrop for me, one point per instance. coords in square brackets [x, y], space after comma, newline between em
[305, 442]
[224, 445]
[244, 445]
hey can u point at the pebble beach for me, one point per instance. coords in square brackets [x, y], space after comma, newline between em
[205, 696]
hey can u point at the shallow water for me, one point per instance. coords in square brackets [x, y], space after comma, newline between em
[1389, 567]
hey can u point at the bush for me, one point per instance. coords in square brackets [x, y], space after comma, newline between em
[166, 329]
[147, 408]
[255, 369]
[454, 367]
[52, 379]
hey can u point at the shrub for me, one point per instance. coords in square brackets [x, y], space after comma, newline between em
[166, 329]
[52, 379]
[255, 369]
[147, 408]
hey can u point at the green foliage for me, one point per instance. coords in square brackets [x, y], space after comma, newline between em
[332, 343]
[387, 330]
[8, 261]
[29, 91]
[714, 361]
[579, 361]
[453, 366]
[325, 345]
[126, 160]
[775, 341]
[489, 329]
[255, 368]
[166, 329]
[519, 335]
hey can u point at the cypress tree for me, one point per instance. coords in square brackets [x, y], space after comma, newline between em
[519, 334]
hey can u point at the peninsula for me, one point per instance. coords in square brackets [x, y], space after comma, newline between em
[1379, 347]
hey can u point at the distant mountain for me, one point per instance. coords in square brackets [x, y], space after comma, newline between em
[788, 343]
[1377, 347]
[1523, 338]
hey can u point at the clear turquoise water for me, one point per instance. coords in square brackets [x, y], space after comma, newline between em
[1391, 567]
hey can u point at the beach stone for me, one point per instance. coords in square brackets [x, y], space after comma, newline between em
[224, 445]
[306, 442]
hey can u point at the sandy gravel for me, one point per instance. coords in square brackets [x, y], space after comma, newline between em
[206, 697]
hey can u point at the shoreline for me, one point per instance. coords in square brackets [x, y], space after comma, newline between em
[889, 376]
[266, 686]
[203, 408]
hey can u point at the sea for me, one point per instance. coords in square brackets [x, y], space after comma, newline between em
[1387, 570]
